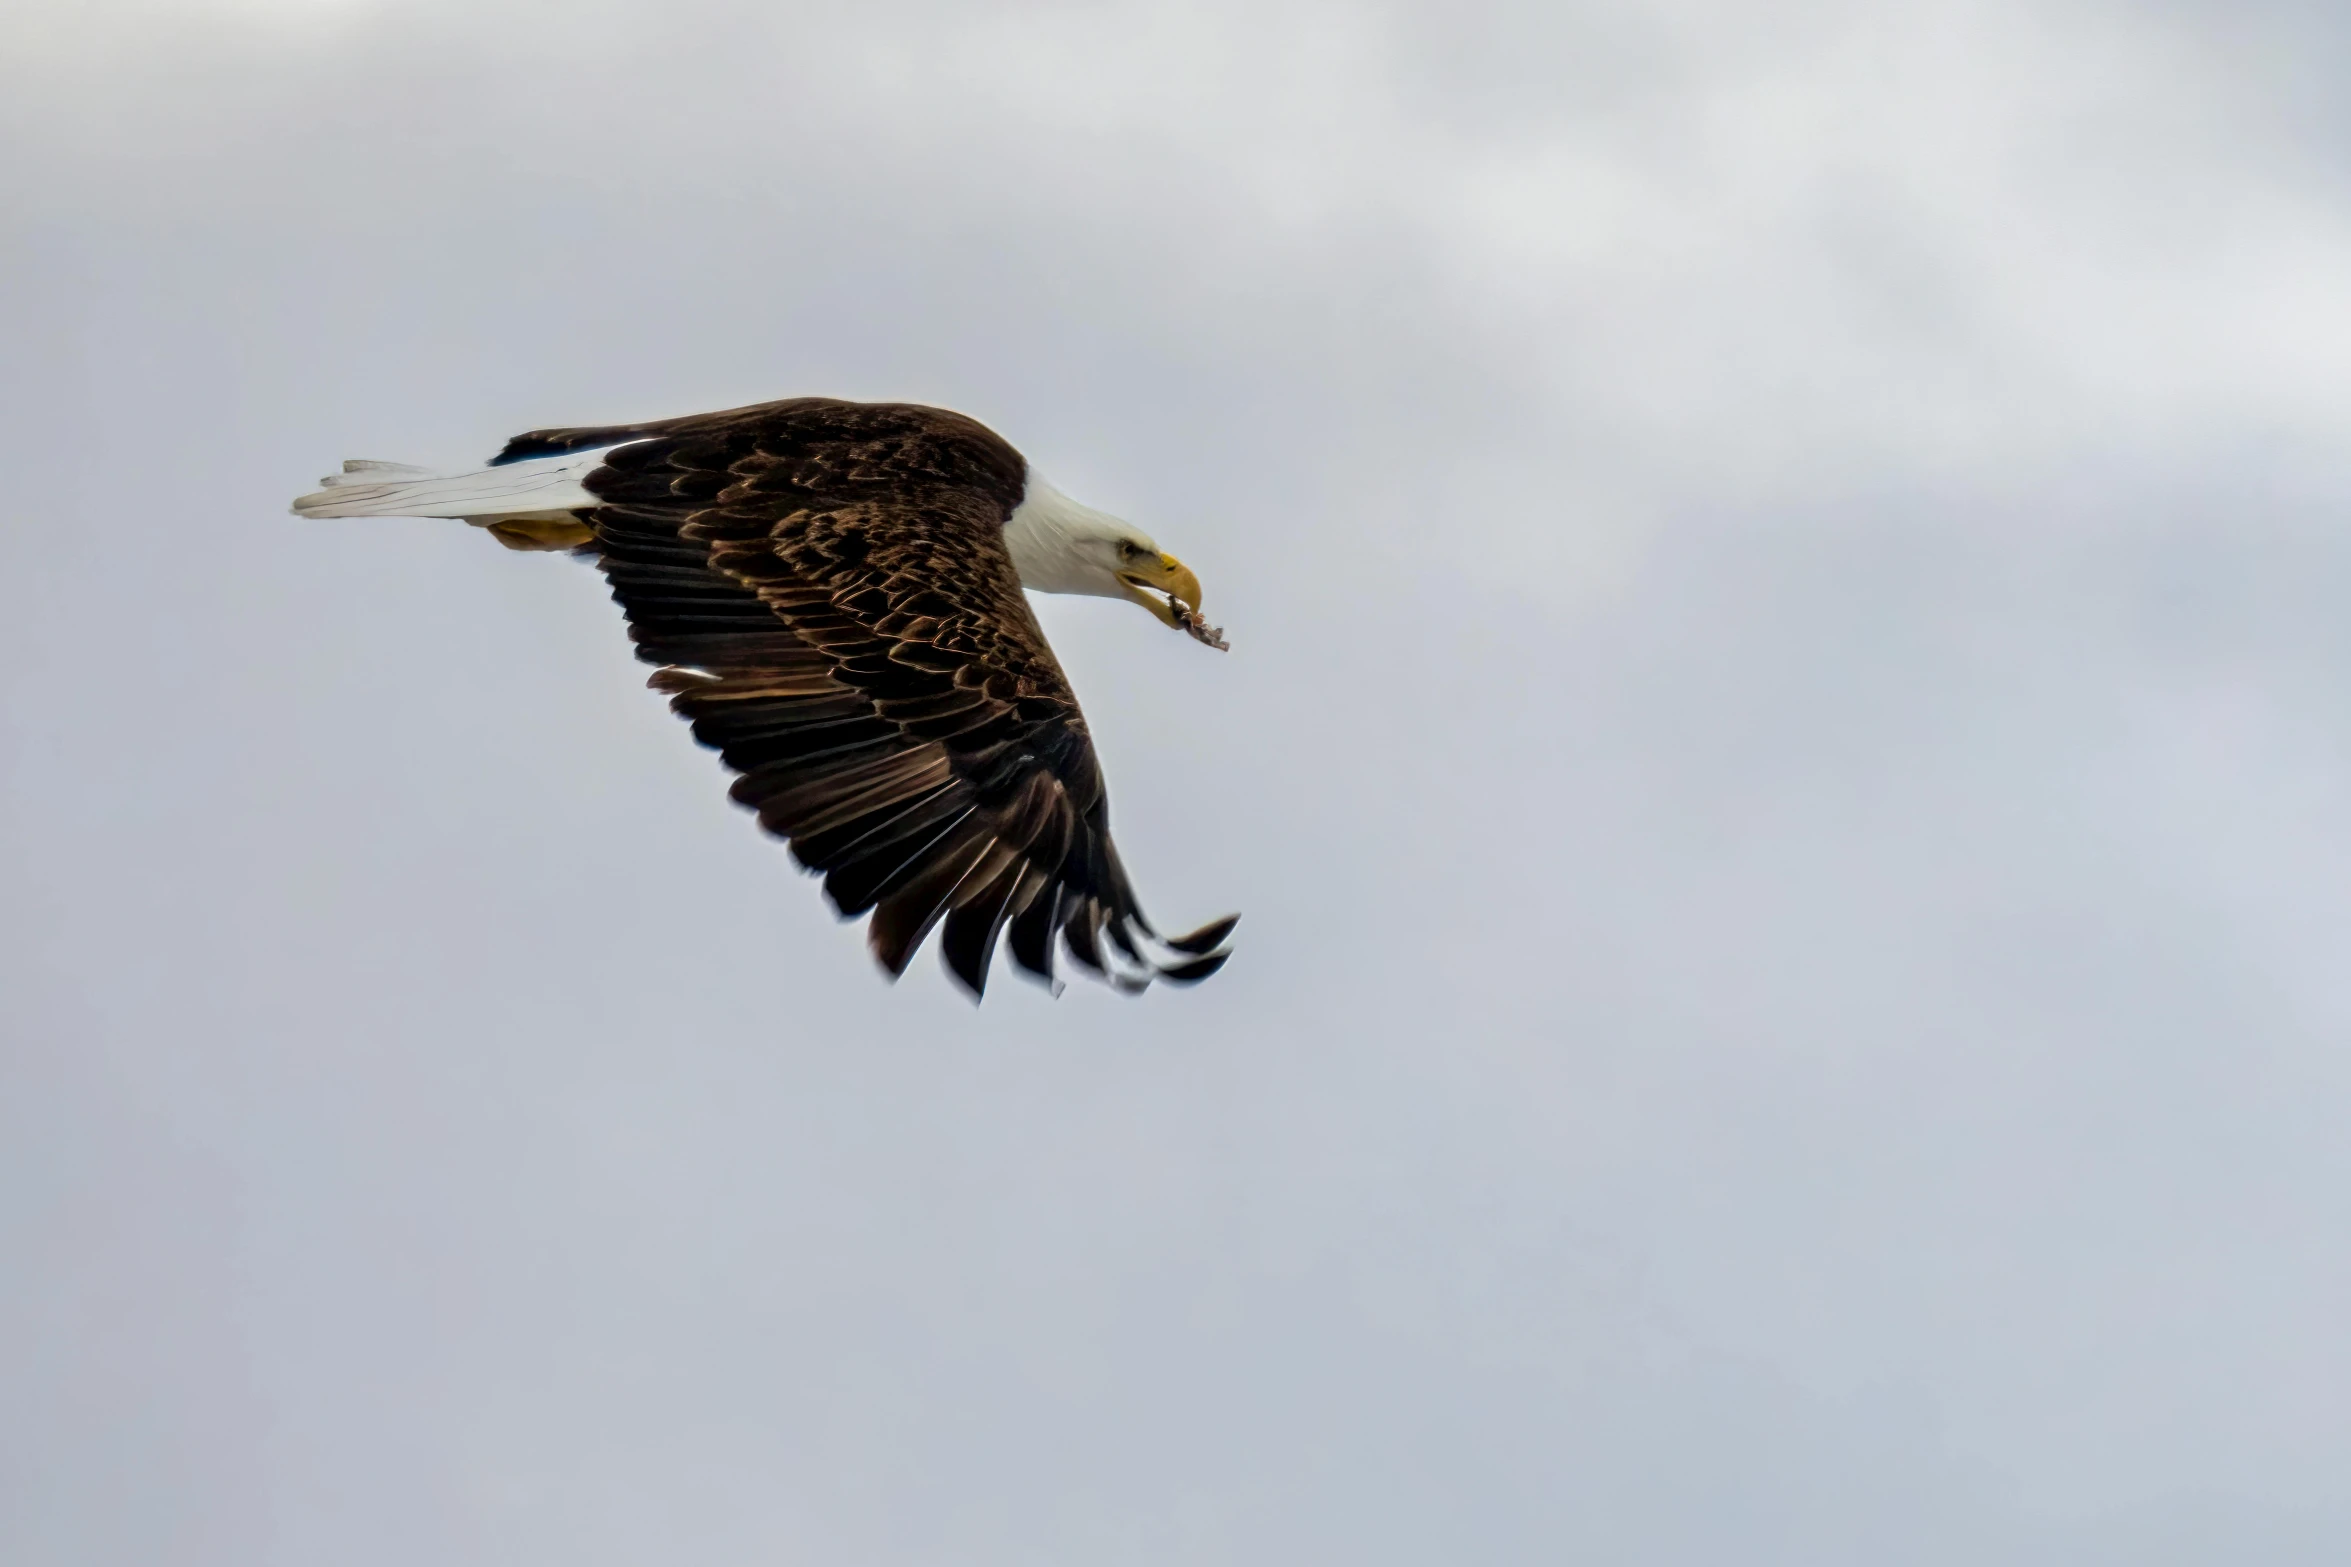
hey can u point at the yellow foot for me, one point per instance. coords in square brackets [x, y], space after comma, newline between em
[542, 533]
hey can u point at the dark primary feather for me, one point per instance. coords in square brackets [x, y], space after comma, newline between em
[827, 588]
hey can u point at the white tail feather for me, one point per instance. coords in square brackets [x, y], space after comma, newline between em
[543, 486]
[358, 470]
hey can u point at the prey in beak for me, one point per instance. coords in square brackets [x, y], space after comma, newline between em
[1166, 587]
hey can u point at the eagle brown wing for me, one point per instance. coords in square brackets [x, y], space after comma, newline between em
[827, 588]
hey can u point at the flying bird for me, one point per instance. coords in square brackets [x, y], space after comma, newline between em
[834, 594]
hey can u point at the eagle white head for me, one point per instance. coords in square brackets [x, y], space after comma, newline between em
[1059, 546]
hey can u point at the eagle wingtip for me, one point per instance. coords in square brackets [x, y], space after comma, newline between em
[1207, 938]
[1195, 970]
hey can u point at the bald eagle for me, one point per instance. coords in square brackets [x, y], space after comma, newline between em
[833, 593]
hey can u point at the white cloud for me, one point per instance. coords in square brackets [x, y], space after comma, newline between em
[1842, 1032]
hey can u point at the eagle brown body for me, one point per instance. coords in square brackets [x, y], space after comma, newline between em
[828, 590]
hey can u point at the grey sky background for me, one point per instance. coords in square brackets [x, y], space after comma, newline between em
[1785, 760]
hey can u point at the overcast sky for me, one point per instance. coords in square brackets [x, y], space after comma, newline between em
[1786, 757]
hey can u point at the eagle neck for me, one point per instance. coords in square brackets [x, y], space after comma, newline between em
[1053, 542]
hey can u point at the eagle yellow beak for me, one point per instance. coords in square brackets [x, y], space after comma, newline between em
[1160, 585]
